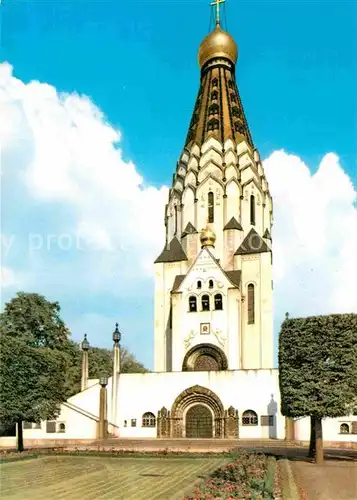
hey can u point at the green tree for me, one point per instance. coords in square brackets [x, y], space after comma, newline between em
[318, 370]
[32, 383]
[32, 318]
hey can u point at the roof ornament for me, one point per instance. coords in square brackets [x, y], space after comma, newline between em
[207, 237]
[216, 4]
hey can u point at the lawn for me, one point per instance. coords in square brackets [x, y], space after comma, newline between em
[103, 478]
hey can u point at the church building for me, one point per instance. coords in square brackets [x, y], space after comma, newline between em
[214, 372]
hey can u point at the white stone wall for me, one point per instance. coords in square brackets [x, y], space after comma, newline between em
[330, 429]
[244, 390]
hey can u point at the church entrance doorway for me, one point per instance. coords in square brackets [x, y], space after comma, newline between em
[199, 422]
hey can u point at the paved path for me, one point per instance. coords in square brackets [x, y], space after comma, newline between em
[336, 480]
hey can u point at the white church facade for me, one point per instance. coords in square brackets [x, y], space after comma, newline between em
[214, 372]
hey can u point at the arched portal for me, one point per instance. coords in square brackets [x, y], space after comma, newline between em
[199, 422]
[205, 357]
[191, 405]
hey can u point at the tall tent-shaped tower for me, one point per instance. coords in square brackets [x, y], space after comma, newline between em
[213, 278]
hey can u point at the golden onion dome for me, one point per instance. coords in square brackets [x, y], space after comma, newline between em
[217, 44]
[207, 237]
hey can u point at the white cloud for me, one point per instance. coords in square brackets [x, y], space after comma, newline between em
[106, 224]
[314, 235]
[72, 160]
[8, 277]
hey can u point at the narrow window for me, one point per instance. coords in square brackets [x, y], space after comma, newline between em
[236, 112]
[233, 98]
[214, 95]
[218, 304]
[210, 284]
[62, 427]
[239, 127]
[250, 304]
[252, 210]
[199, 284]
[133, 422]
[230, 84]
[125, 423]
[192, 304]
[214, 82]
[210, 207]
[213, 124]
[249, 417]
[213, 109]
[344, 429]
[205, 303]
[175, 229]
[148, 420]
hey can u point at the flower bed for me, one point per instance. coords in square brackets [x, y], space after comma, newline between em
[248, 475]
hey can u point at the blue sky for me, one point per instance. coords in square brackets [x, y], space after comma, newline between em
[137, 61]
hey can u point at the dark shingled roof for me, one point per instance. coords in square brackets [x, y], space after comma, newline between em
[252, 243]
[173, 252]
[267, 234]
[190, 229]
[178, 280]
[233, 224]
[234, 277]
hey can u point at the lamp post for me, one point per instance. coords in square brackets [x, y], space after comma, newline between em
[85, 348]
[103, 418]
[116, 372]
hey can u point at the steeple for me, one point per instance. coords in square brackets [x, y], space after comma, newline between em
[218, 110]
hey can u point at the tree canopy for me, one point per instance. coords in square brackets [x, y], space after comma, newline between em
[318, 365]
[318, 370]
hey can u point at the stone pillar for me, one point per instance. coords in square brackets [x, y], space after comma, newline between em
[231, 423]
[103, 417]
[84, 378]
[289, 429]
[116, 372]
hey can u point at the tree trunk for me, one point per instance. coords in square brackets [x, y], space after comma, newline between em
[312, 447]
[319, 445]
[20, 436]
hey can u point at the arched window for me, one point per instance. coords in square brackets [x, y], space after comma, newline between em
[148, 419]
[230, 84]
[214, 82]
[218, 303]
[199, 284]
[214, 95]
[344, 429]
[250, 304]
[249, 417]
[236, 112]
[233, 98]
[210, 284]
[62, 427]
[213, 109]
[205, 302]
[252, 210]
[210, 207]
[192, 304]
[213, 124]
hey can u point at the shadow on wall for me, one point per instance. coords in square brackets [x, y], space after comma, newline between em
[272, 411]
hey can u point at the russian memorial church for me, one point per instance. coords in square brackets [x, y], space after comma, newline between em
[213, 361]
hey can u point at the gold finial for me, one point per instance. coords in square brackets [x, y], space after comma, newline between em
[217, 3]
[207, 237]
